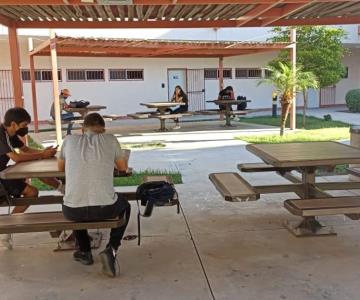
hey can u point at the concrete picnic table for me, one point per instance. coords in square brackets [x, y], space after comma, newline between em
[83, 111]
[40, 169]
[162, 108]
[307, 158]
[227, 111]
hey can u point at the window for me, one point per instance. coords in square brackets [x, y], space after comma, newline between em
[214, 73]
[247, 73]
[85, 75]
[135, 74]
[267, 73]
[123, 74]
[40, 75]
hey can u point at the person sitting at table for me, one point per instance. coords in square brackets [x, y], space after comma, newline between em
[15, 127]
[179, 96]
[65, 115]
[226, 94]
[88, 161]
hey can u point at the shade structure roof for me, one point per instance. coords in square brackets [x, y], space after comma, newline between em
[70, 46]
[175, 13]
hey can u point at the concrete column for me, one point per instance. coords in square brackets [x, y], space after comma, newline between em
[293, 63]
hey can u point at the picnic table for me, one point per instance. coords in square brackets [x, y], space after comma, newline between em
[83, 111]
[49, 221]
[161, 111]
[228, 112]
[305, 159]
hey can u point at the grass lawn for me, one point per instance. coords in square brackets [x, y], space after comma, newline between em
[311, 122]
[142, 145]
[317, 130]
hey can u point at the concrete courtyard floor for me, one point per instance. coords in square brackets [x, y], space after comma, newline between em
[212, 250]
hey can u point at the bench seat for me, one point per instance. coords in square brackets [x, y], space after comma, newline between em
[49, 221]
[324, 206]
[233, 187]
[138, 116]
[170, 116]
[261, 167]
[353, 171]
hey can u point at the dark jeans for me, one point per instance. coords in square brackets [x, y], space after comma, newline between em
[121, 208]
[180, 109]
[68, 117]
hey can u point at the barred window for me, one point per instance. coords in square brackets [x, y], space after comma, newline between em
[135, 74]
[92, 75]
[124, 74]
[247, 73]
[210, 73]
[117, 74]
[267, 73]
[40, 75]
[75, 75]
[214, 73]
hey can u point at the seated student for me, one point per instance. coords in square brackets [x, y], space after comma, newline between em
[88, 161]
[15, 124]
[226, 94]
[179, 96]
[65, 115]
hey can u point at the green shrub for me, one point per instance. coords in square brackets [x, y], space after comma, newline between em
[353, 100]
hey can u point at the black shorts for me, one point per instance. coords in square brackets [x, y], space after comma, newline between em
[14, 187]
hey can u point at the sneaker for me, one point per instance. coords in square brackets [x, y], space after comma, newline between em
[176, 127]
[108, 260]
[84, 257]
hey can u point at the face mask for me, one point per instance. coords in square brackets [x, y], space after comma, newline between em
[22, 131]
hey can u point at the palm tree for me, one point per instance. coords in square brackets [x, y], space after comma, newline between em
[283, 79]
[306, 81]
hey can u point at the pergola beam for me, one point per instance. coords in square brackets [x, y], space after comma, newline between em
[142, 2]
[256, 12]
[156, 2]
[184, 24]
[6, 21]
[43, 45]
[285, 11]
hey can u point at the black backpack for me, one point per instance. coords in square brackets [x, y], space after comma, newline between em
[79, 104]
[155, 193]
[243, 105]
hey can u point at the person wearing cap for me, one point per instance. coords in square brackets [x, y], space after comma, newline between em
[65, 115]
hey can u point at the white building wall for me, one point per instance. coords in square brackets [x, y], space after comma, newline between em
[122, 97]
[352, 61]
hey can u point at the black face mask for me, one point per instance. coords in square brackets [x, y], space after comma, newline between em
[22, 131]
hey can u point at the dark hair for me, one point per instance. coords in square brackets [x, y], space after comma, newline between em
[94, 120]
[229, 88]
[182, 93]
[17, 115]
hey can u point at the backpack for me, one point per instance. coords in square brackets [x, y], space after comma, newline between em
[243, 105]
[155, 193]
[79, 104]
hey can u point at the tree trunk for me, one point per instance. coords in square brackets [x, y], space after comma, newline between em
[285, 108]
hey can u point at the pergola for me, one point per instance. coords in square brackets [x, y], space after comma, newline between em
[166, 14]
[94, 47]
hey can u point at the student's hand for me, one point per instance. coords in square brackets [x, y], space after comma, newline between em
[48, 153]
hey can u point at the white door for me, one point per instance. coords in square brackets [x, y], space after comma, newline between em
[176, 77]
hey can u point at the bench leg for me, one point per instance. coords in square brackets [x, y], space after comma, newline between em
[308, 226]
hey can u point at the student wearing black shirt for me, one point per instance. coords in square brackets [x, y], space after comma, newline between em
[15, 125]
[179, 96]
[226, 94]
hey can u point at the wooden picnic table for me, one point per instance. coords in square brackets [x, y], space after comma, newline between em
[307, 158]
[85, 110]
[162, 108]
[228, 111]
[39, 169]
